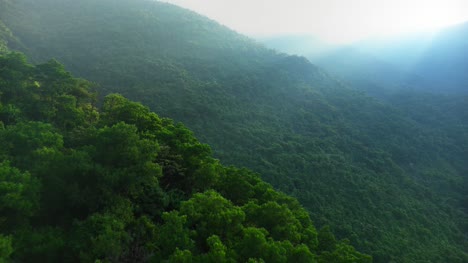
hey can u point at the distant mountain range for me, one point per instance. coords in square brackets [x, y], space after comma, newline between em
[435, 62]
[387, 174]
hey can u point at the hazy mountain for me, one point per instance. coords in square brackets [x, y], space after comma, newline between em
[445, 60]
[298, 45]
[433, 62]
[390, 181]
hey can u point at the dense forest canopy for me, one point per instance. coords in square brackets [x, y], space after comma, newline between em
[119, 183]
[390, 179]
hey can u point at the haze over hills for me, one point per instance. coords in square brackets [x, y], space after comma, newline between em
[391, 182]
[434, 62]
[446, 48]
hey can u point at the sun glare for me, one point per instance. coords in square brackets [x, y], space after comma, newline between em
[334, 21]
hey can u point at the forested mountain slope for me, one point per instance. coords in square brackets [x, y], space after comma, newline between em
[374, 174]
[120, 184]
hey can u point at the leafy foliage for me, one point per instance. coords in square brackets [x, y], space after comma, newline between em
[121, 184]
[389, 180]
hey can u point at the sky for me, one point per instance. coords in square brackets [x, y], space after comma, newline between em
[333, 21]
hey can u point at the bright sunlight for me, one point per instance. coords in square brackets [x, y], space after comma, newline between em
[335, 21]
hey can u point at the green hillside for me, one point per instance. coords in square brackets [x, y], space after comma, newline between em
[120, 184]
[376, 175]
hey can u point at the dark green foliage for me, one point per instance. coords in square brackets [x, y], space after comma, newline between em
[18, 197]
[327, 240]
[123, 185]
[5, 248]
[390, 180]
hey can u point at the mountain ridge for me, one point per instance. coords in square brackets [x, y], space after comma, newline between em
[424, 61]
[281, 116]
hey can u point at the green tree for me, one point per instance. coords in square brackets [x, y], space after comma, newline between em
[5, 248]
[326, 239]
[100, 237]
[173, 235]
[19, 197]
[211, 214]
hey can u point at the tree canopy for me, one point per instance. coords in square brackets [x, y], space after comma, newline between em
[118, 183]
[390, 177]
